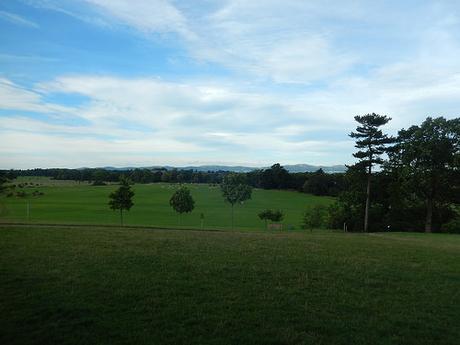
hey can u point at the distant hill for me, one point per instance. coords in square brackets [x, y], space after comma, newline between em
[295, 168]
[310, 168]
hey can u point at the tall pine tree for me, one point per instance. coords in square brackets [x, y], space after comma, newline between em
[371, 144]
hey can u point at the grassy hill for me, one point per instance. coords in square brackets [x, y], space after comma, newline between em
[136, 286]
[70, 202]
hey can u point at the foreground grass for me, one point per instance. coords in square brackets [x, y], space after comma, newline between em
[71, 203]
[119, 286]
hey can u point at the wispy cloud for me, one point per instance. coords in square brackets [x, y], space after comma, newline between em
[27, 58]
[18, 20]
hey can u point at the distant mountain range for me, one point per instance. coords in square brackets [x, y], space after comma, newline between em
[295, 168]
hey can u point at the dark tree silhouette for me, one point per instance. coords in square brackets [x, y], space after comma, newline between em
[372, 143]
[182, 201]
[235, 190]
[427, 159]
[121, 199]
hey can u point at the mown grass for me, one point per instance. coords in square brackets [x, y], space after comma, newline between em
[69, 202]
[138, 286]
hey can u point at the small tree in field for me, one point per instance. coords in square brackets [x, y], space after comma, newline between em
[265, 216]
[182, 201]
[202, 220]
[314, 218]
[235, 190]
[274, 216]
[121, 199]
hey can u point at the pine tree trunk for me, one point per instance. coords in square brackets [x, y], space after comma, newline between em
[368, 201]
[429, 215]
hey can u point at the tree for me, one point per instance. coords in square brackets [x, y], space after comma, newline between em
[274, 216]
[427, 159]
[202, 220]
[372, 143]
[314, 217]
[3, 180]
[121, 199]
[235, 190]
[182, 201]
[265, 216]
[276, 177]
[319, 183]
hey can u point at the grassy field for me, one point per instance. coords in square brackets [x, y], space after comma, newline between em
[70, 202]
[137, 286]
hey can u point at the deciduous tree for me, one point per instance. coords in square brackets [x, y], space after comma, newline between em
[235, 190]
[427, 158]
[182, 201]
[121, 199]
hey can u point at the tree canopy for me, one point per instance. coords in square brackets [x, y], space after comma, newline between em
[371, 144]
[426, 160]
[182, 201]
[235, 190]
[121, 199]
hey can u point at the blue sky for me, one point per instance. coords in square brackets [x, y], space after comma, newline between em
[139, 83]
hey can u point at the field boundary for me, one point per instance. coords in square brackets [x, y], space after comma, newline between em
[139, 227]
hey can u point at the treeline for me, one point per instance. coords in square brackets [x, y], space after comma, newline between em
[275, 177]
[417, 185]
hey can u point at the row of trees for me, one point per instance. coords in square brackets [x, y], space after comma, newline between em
[275, 177]
[234, 189]
[417, 181]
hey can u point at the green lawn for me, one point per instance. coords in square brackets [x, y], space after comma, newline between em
[69, 202]
[92, 285]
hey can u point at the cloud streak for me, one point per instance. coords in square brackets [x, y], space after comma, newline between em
[18, 20]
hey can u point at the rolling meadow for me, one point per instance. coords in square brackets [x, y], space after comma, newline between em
[68, 202]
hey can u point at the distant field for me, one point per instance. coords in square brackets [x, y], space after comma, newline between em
[134, 286]
[71, 202]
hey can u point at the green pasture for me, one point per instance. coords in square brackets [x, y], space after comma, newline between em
[89, 285]
[71, 202]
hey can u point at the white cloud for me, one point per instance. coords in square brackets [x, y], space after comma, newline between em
[149, 117]
[145, 15]
[298, 71]
[13, 96]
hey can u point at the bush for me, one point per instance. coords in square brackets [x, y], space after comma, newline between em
[315, 217]
[272, 215]
[452, 226]
[21, 194]
[99, 183]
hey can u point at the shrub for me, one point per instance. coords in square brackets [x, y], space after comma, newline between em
[21, 194]
[272, 215]
[315, 217]
[453, 226]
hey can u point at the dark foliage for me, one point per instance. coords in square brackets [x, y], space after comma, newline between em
[121, 199]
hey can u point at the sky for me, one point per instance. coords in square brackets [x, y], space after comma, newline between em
[194, 82]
